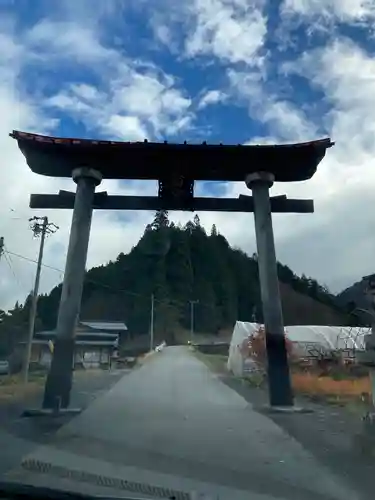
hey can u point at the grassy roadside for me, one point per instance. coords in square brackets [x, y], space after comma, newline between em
[349, 393]
[216, 362]
[13, 387]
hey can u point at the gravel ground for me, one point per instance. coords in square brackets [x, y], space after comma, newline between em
[334, 435]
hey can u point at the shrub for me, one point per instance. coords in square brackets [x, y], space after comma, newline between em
[255, 347]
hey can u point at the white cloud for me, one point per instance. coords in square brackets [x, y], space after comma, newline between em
[133, 103]
[58, 40]
[163, 33]
[346, 74]
[127, 128]
[152, 97]
[262, 140]
[54, 44]
[211, 97]
[286, 121]
[233, 31]
[335, 243]
[341, 10]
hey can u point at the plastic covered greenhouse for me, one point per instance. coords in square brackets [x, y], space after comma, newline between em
[305, 338]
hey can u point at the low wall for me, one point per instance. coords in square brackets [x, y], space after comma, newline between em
[221, 348]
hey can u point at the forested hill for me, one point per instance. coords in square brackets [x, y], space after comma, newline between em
[178, 265]
[182, 264]
[355, 299]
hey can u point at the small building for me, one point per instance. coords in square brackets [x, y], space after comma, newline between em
[111, 327]
[95, 344]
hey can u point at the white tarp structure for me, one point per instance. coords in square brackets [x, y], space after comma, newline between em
[305, 340]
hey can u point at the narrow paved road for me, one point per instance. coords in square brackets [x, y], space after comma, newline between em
[172, 424]
[19, 436]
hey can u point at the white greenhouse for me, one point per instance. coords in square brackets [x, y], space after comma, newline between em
[306, 339]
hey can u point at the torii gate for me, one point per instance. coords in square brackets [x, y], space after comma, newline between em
[176, 167]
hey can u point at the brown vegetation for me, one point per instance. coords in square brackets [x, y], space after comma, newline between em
[327, 378]
[313, 384]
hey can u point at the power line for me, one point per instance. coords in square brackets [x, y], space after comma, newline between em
[88, 280]
[7, 260]
[103, 285]
[10, 262]
[34, 261]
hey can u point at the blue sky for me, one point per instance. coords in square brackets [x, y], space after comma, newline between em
[231, 71]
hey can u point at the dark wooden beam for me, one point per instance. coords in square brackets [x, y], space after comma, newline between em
[65, 200]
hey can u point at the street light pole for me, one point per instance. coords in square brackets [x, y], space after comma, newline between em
[1, 245]
[192, 303]
[369, 340]
[40, 226]
[152, 324]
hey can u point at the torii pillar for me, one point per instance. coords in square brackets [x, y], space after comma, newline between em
[279, 382]
[59, 380]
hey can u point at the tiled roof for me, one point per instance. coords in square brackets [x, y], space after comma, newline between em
[105, 325]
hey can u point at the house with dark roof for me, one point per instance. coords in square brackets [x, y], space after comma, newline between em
[96, 342]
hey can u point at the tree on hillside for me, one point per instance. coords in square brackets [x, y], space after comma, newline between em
[197, 221]
[179, 264]
[214, 230]
[160, 220]
[179, 272]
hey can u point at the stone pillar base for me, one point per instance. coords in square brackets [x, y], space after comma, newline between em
[60, 376]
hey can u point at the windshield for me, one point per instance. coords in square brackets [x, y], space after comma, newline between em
[186, 297]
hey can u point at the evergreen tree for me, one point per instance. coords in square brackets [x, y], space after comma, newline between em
[197, 221]
[214, 230]
[160, 220]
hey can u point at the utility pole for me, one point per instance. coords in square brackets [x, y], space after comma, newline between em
[192, 304]
[152, 324]
[40, 227]
[1, 246]
[367, 357]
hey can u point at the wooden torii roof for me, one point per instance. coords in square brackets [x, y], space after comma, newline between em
[57, 157]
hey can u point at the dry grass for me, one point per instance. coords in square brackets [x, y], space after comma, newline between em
[217, 362]
[145, 357]
[313, 384]
[12, 386]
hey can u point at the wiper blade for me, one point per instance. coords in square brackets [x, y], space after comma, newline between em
[20, 491]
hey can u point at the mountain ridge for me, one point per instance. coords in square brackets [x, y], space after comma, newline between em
[177, 265]
[182, 263]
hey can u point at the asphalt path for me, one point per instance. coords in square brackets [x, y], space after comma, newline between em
[172, 425]
[19, 436]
